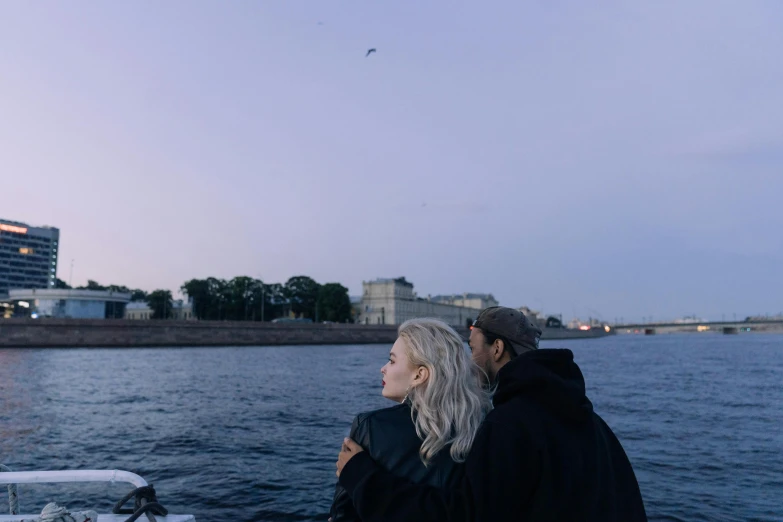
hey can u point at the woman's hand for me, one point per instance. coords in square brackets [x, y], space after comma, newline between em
[349, 449]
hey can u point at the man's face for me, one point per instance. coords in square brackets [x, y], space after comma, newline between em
[481, 353]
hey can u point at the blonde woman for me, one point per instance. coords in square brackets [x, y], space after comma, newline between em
[426, 437]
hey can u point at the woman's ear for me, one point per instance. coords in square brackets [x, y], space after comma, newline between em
[421, 376]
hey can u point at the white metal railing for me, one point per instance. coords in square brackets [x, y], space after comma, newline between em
[92, 475]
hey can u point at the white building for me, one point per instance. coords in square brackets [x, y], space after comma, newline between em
[138, 310]
[467, 300]
[393, 301]
[75, 304]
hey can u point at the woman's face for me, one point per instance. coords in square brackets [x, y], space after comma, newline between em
[398, 373]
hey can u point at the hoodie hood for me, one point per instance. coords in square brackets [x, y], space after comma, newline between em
[549, 377]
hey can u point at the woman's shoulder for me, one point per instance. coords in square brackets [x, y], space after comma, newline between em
[390, 414]
[386, 423]
[387, 433]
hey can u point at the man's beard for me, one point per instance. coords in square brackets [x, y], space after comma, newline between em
[487, 376]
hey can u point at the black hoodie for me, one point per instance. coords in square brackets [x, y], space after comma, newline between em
[541, 454]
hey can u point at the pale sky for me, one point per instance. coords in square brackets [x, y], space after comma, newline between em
[582, 158]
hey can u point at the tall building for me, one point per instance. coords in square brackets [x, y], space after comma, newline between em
[393, 301]
[28, 256]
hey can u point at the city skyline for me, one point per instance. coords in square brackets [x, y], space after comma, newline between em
[440, 298]
[581, 160]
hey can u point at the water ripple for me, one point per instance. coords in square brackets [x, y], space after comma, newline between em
[253, 433]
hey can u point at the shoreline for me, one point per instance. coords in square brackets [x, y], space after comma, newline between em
[123, 333]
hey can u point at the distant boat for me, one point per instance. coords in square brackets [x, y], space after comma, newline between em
[585, 332]
[553, 329]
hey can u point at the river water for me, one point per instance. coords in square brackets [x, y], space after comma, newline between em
[252, 434]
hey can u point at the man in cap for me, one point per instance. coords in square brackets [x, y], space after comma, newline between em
[541, 454]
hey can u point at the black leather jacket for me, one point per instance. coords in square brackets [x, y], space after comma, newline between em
[389, 436]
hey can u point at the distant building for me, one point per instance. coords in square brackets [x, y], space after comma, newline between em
[138, 310]
[393, 301]
[542, 321]
[689, 319]
[532, 315]
[28, 256]
[180, 311]
[475, 301]
[61, 303]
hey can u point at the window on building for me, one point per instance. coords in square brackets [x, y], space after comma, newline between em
[26, 251]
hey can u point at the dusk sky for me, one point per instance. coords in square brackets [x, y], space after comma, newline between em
[585, 158]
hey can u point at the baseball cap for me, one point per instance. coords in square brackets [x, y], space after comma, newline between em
[510, 324]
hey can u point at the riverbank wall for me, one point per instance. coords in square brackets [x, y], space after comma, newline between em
[120, 333]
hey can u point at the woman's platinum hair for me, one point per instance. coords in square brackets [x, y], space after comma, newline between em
[450, 406]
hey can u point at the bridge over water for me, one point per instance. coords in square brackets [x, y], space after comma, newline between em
[726, 327]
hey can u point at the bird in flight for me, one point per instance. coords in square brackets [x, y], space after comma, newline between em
[369, 52]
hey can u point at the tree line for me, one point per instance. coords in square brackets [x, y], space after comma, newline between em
[136, 294]
[246, 299]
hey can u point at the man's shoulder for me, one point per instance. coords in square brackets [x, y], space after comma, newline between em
[518, 418]
[525, 417]
[520, 409]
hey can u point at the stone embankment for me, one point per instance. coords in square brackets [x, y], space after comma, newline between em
[88, 333]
